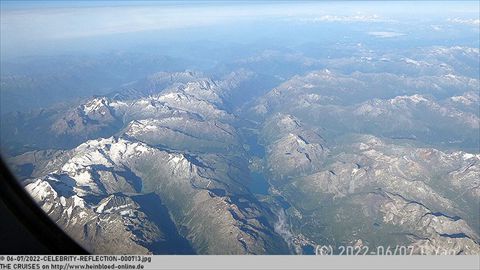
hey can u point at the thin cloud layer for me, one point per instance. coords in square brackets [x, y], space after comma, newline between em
[475, 22]
[352, 18]
[385, 34]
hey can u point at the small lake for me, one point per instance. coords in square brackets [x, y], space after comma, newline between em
[259, 184]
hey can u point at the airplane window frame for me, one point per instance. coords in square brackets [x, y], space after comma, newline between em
[34, 219]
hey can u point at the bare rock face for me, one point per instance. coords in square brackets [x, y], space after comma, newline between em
[169, 166]
[183, 133]
[115, 225]
[292, 148]
[176, 150]
[293, 155]
[87, 120]
[432, 233]
[405, 108]
[399, 190]
[92, 191]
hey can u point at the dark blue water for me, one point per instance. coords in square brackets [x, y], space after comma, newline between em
[256, 149]
[259, 184]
